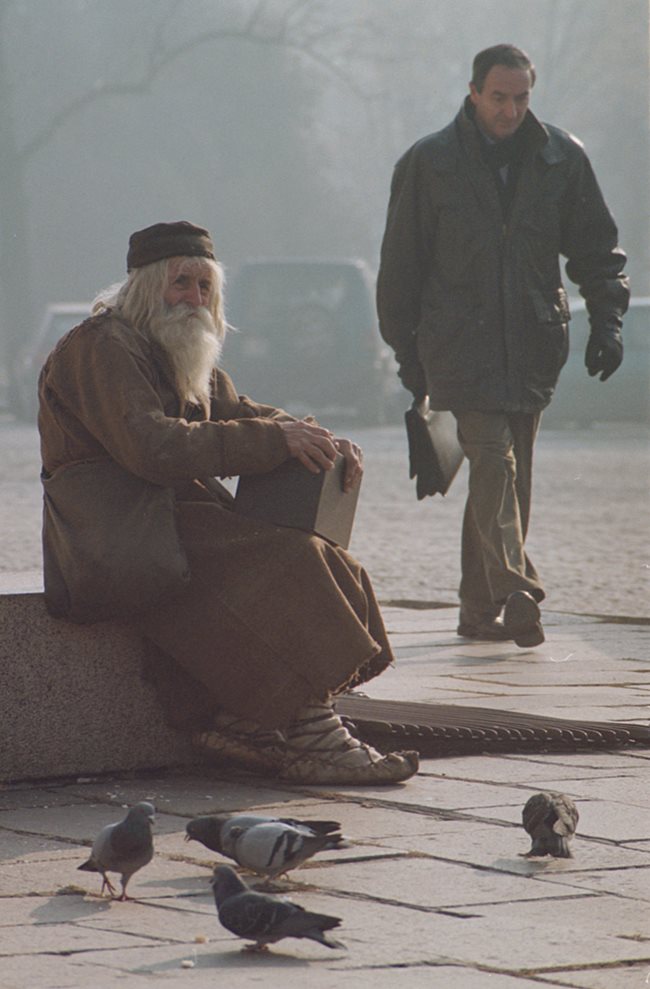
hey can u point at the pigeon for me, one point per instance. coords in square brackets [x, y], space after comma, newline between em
[262, 918]
[550, 819]
[215, 832]
[272, 849]
[123, 847]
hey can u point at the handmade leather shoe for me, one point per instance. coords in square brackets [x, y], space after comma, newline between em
[262, 752]
[321, 750]
[365, 767]
[521, 619]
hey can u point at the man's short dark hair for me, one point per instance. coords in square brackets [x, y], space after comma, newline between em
[508, 55]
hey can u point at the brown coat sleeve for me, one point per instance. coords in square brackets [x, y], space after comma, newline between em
[100, 394]
[228, 404]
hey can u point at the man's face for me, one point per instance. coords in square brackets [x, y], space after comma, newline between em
[189, 280]
[502, 103]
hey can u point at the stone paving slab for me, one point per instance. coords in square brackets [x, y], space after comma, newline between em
[41, 875]
[450, 795]
[632, 883]
[623, 790]
[569, 673]
[289, 965]
[22, 796]
[643, 846]
[38, 939]
[160, 920]
[199, 790]
[504, 849]
[64, 972]
[538, 935]
[51, 908]
[598, 819]
[80, 822]
[14, 845]
[626, 759]
[633, 976]
[596, 704]
[541, 770]
[454, 690]
[537, 768]
[440, 796]
[433, 883]
[574, 648]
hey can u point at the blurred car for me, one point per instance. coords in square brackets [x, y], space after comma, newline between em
[58, 319]
[306, 339]
[582, 400]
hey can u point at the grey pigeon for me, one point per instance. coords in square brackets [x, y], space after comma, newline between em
[265, 919]
[550, 819]
[215, 832]
[123, 847]
[275, 848]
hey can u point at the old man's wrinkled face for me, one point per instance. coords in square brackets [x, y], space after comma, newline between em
[189, 281]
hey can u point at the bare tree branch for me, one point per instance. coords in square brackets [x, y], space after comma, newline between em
[255, 16]
[297, 7]
[161, 58]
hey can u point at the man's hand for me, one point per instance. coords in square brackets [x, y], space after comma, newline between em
[312, 445]
[353, 462]
[413, 378]
[604, 352]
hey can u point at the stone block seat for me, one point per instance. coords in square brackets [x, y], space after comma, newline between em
[73, 701]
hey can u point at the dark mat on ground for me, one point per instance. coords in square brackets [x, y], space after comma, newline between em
[451, 729]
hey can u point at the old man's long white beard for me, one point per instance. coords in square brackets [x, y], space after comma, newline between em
[189, 338]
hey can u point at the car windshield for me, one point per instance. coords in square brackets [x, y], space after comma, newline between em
[307, 335]
[267, 295]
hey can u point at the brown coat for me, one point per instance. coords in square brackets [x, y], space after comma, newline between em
[271, 616]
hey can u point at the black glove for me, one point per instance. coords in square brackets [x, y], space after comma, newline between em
[604, 352]
[413, 378]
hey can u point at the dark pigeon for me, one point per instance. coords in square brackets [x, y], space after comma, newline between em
[215, 832]
[551, 820]
[123, 847]
[265, 919]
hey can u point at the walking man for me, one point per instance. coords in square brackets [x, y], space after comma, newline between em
[470, 298]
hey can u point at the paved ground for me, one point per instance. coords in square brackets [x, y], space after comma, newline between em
[434, 890]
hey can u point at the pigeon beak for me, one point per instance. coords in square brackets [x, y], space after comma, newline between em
[188, 837]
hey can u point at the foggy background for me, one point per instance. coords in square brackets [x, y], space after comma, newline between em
[275, 123]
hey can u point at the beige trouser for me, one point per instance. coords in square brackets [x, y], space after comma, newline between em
[499, 448]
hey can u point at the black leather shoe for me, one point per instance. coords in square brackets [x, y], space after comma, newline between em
[489, 630]
[521, 619]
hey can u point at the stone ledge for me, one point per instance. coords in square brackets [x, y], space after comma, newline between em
[21, 582]
[72, 697]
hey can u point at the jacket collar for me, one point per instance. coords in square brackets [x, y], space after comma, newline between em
[538, 139]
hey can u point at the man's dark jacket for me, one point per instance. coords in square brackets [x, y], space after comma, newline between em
[472, 298]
